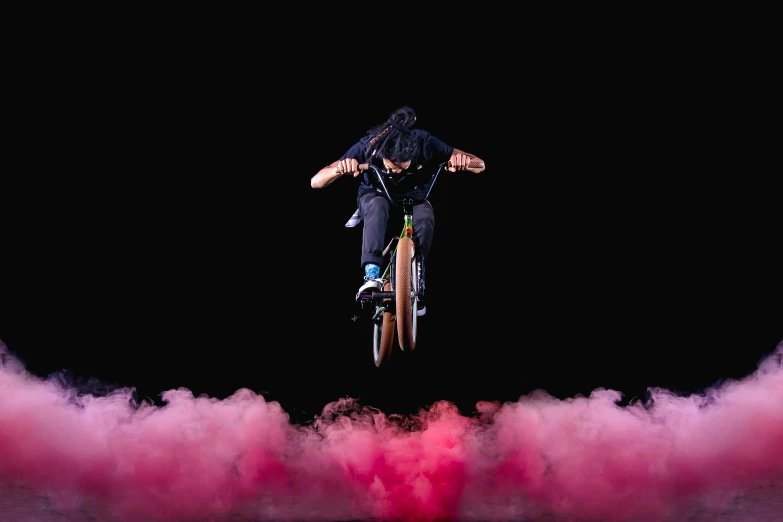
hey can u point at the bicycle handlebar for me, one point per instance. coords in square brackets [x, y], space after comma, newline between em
[367, 166]
[472, 165]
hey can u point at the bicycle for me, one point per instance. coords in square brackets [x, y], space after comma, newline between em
[394, 309]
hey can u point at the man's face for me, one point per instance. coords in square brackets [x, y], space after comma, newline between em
[396, 167]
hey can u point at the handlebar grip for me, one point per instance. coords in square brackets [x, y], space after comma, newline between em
[362, 166]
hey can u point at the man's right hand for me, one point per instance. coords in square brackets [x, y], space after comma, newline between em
[348, 166]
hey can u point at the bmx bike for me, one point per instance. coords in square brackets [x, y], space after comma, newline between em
[394, 309]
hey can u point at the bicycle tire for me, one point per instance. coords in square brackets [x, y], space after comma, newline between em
[383, 335]
[406, 284]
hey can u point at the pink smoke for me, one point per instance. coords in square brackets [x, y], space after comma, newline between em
[585, 458]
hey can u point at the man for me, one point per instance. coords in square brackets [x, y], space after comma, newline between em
[409, 158]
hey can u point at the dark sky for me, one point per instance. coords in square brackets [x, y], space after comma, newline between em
[162, 232]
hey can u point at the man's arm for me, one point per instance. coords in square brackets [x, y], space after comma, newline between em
[324, 177]
[460, 159]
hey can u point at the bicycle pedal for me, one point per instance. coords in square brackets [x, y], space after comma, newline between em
[364, 297]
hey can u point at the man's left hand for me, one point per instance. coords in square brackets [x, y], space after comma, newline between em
[458, 162]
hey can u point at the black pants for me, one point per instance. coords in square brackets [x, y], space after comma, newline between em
[376, 210]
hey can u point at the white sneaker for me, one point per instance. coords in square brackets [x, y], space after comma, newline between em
[371, 284]
[421, 308]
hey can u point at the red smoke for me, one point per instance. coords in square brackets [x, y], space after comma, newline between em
[584, 458]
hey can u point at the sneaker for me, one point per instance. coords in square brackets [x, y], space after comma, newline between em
[371, 284]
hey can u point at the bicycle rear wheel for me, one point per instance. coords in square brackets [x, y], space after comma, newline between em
[383, 334]
[406, 283]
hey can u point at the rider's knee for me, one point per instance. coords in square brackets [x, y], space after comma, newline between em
[376, 206]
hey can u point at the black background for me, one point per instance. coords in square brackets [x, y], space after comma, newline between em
[159, 230]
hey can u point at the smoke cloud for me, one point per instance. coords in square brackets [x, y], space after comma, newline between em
[200, 458]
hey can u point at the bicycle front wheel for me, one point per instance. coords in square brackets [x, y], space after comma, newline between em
[406, 287]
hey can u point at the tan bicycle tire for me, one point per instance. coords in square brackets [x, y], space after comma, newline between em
[405, 283]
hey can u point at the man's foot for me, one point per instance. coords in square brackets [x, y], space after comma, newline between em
[371, 284]
[421, 309]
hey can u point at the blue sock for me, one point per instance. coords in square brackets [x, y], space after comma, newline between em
[371, 270]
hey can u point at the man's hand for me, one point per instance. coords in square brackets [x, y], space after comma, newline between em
[458, 162]
[348, 166]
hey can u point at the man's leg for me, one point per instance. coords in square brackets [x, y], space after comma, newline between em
[423, 231]
[424, 226]
[374, 209]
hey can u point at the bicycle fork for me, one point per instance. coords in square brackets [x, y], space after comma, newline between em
[407, 231]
